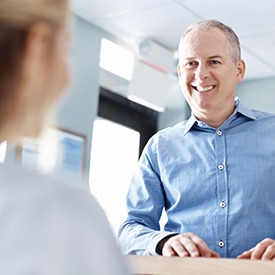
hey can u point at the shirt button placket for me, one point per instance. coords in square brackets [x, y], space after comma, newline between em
[222, 191]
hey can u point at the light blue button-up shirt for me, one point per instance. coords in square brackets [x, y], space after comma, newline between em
[217, 183]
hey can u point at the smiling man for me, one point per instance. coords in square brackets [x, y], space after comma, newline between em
[213, 174]
[209, 71]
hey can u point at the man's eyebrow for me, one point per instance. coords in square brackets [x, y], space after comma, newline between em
[215, 56]
[189, 58]
[210, 57]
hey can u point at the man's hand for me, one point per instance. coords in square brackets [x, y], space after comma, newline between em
[264, 250]
[187, 245]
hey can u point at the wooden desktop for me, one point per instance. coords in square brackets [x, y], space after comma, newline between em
[157, 265]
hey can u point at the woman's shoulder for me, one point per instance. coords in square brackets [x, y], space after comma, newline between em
[27, 186]
[61, 216]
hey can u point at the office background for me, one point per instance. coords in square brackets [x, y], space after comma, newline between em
[151, 30]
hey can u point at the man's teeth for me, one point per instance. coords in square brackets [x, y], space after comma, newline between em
[204, 89]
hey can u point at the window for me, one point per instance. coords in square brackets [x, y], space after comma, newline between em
[128, 113]
[119, 135]
[115, 150]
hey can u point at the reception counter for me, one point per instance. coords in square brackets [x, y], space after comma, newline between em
[157, 265]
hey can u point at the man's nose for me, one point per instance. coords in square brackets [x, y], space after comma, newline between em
[202, 72]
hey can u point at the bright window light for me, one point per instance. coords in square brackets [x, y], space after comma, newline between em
[116, 59]
[114, 155]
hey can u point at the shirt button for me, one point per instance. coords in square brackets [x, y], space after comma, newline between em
[222, 204]
[219, 132]
[221, 244]
[200, 124]
[220, 167]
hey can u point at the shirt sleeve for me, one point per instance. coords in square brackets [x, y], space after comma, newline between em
[140, 233]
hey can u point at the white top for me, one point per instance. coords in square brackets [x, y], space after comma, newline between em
[52, 227]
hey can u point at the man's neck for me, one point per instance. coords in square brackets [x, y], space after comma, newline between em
[214, 120]
[214, 123]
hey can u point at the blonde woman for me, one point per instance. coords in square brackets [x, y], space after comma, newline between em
[46, 226]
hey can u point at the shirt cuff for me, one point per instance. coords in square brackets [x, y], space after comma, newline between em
[153, 245]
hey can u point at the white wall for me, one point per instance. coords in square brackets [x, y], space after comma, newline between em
[258, 94]
[79, 109]
[255, 94]
[177, 108]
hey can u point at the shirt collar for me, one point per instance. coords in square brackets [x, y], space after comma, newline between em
[243, 110]
[189, 124]
[240, 108]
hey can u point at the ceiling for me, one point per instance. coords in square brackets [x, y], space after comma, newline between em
[165, 20]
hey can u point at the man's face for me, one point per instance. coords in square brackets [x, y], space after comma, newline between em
[207, 74]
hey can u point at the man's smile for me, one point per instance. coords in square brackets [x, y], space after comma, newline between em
[204, 89]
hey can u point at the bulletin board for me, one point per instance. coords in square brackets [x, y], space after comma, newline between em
[57, 151]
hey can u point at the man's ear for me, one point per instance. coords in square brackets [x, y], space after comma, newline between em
[240, 70]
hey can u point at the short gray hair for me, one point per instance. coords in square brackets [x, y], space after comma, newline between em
[233, 40]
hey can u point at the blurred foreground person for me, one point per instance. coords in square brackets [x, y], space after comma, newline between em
[46, 226]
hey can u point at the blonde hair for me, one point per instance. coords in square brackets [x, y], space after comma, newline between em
[21, 14]
[16, 19]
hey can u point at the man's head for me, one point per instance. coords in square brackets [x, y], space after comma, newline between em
[209, 70]
[233, 40]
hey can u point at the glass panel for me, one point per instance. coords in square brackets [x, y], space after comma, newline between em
[114, 156]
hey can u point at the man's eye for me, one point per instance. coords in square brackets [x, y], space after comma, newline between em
[191, 64]
[214, 62]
